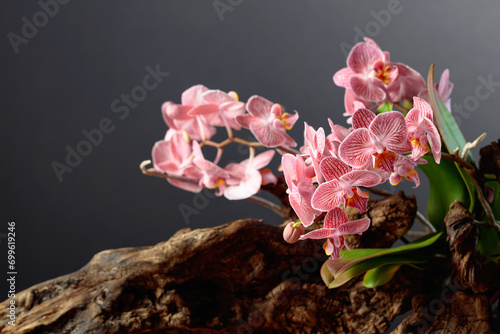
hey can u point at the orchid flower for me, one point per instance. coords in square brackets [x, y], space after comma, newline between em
[245, 179]
[421, 128]
[212, 176]
[268, 122]
[409, 83]
[385, 137]
[179, 116]
[300, 188]
[342, 185]
[337, 225]
[405, 167]
[315, 148]
[174, 156]
[367, 74]
[220, 108]
[333, 140]
[353, 103]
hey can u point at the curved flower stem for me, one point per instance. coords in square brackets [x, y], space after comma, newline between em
[288, 150]
[415, 234]
[267, 204]
[462, 162]
[163, 175]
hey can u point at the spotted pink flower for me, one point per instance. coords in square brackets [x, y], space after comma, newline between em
[315, 149]
[379, 144]
[245, 179]
[422, 129]
[367, 73]
[407, 84]
[339, 133]
[337, 225]
[268, 122]
[300, 187]
[405, 167]
[342, 185]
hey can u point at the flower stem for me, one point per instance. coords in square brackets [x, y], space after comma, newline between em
[267, 204]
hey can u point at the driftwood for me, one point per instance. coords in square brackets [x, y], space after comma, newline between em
[236, 278]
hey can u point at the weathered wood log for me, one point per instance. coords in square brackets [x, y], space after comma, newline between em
[235, 278]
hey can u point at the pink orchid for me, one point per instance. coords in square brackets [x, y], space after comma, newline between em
[405, 167]
[212, 176]
[268, 122]
[337, 225]
[385, 137]
[174, 156]
[409, 83]
[300, 188]
[219, 108]
[367, 73]
[333, 140]
[178, 117]
[342, 185]
[353, 103]
[314, 149]
[245, 179]
[421, 128]
[444, 89]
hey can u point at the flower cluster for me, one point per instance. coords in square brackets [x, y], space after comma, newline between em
[193, 123]
[325, 176]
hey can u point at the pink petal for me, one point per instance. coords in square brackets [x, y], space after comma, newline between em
[192, 95]
[413, 176]
[204, 109]
[249, 186]
[321, 233]
[302, 208]
[356, 150]
[288, 163]
[335, 218]
[263, 159]
[246, 120]
[341, 78]
[434, 139]
[362, 178]
[215, 96]
[355, 227]
[362, 56]
[362, 118]
[390, 130]
[267, 135]
[369, 89]
[333, 168]
[259, 106]
[327, 196]
[424, 107]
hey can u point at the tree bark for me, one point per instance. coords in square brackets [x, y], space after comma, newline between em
[235, 278]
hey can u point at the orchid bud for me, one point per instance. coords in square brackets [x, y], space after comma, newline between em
[292, 232]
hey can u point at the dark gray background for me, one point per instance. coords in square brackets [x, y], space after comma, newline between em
[66, 77]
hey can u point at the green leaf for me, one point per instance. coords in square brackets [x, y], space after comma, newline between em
[445, 186]
[450, 132]
[358, 261]
[489, 243]
[380, 275]
[385, 107]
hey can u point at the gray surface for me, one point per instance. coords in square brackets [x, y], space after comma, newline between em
[66, 77]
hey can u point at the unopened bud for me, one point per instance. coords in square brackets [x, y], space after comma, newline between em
[292, 232]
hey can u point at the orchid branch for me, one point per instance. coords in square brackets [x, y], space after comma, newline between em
[267, 204]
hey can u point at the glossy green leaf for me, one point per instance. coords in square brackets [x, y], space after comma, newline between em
[358, 261]
[380, 275]
[446, 185]
[450, 132]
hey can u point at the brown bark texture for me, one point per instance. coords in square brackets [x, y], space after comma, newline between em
[240, 277]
